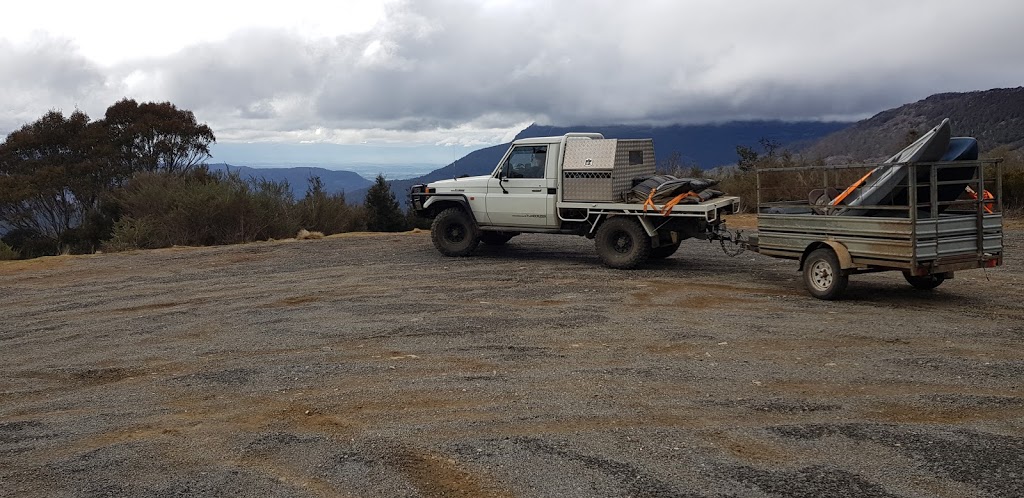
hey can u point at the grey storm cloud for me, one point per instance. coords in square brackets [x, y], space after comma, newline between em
[575, 62]
[48, 72]
[440, 64]
[241, 72]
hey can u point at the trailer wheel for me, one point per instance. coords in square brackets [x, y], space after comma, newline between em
[823, 276]
[454, 233]
[927, 282]
[622, 243]
[662, 252]
[495, 238]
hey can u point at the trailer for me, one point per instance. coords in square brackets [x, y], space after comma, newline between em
[936, 219]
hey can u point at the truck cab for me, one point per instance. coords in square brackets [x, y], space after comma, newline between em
[521, 191]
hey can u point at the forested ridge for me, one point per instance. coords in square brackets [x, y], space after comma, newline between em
[995, 117]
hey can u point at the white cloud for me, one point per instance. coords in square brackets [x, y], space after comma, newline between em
[115, 31]
[466, 73]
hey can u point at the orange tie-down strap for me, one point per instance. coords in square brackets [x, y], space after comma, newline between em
[650, 201]
[667, 208]
[849, 190]
[986, 195]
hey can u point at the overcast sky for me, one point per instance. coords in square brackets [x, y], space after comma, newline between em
[474, 72]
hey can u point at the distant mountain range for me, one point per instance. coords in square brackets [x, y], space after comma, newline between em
[298, 178]
[995, 117]
[367, 159]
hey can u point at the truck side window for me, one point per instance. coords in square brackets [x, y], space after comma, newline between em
[527, 161]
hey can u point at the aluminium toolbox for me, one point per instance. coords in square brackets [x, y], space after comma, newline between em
[603, 170]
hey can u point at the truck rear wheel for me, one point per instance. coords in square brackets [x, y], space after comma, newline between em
[927, 282]
[454, 233]
[823, 276]
[622, 243]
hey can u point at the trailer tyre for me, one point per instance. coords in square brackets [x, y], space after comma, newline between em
[454, 233]
[823, 276]
[927, 282]
[662, 252]
[622, 243]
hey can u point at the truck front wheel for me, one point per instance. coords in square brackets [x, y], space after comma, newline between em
[622, 243]
[454, 233]
[823, 276]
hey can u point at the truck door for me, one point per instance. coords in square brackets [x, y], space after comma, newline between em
[520, 193]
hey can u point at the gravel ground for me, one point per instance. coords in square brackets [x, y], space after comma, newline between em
[369, 365]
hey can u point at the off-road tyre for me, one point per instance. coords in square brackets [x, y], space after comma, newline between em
[454, 233]
[664, 251]
[622, 243]
[495, 238]
[823, 277]
[925, 283]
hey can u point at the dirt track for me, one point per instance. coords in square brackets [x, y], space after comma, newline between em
[373, 366]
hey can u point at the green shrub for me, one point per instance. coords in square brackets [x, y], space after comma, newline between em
[382, 211]
[268, 208]
[742, 184]
[201, 208]
[1012, 163]
[327, 213]
[30, 244]
[8, 253]
[412, 220]
[741, 180]
[1013, 184]
[130, 234]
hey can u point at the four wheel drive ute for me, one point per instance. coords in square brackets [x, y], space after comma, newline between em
[578, 184]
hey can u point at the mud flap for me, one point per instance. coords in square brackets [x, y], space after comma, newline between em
[648, 227]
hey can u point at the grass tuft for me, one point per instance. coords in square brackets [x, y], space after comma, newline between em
[307, 235]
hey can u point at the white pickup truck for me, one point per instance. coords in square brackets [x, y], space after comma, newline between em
[575, 184]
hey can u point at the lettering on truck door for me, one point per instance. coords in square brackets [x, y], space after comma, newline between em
[524, 177]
